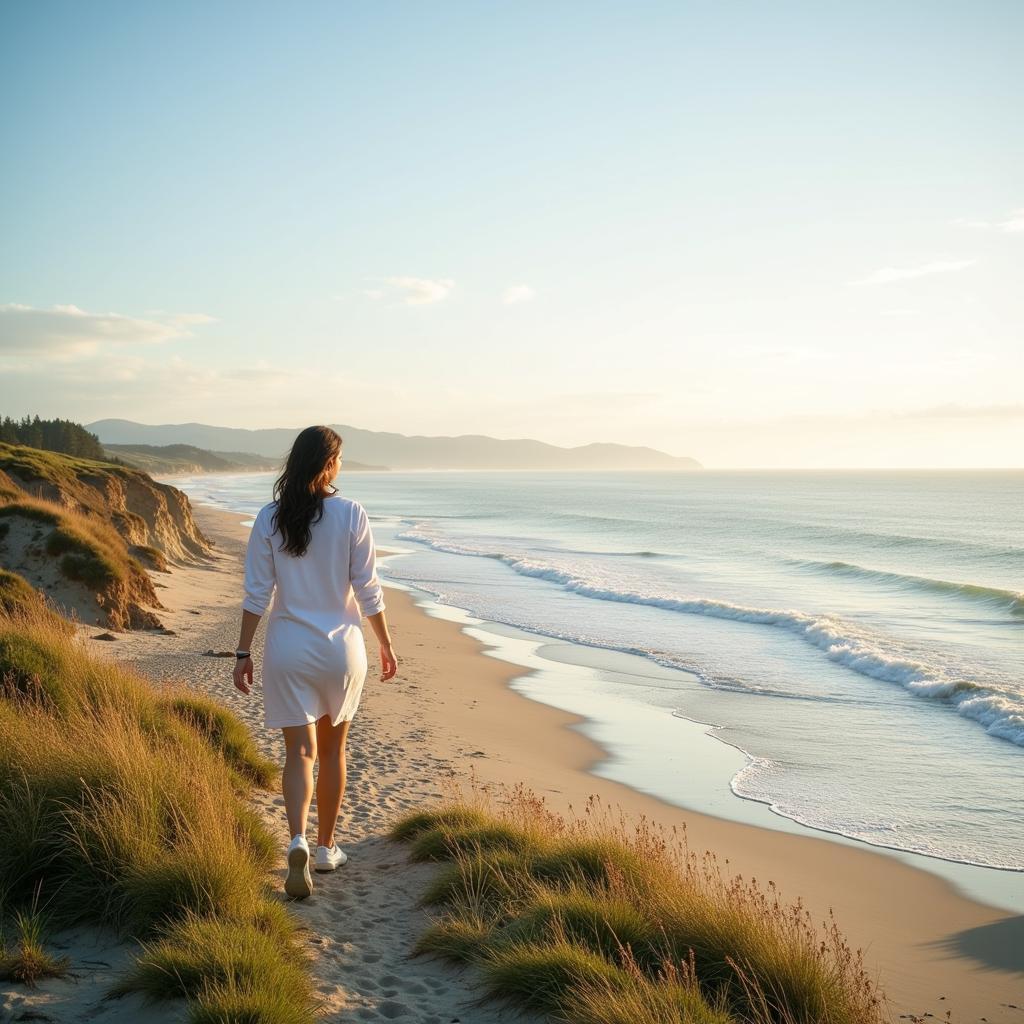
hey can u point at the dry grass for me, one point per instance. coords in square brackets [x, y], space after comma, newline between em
[18, 596]
[92, 550]
[124, 805]
[88, 550]
[27, 961]
[597, 920]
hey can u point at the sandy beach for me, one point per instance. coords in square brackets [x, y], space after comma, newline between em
[450, 714]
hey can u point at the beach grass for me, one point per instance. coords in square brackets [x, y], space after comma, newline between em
[26, 959]
[90, 548]
[597, 920]
[89, 553]
[124, 805]
[18, 596]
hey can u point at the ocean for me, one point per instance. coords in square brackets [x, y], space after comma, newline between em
[855, 640]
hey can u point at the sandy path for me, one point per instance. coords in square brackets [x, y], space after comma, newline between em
[363, 919]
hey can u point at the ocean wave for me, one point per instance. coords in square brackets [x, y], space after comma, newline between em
[1001, 714]
[860, 537]
[417, 533]
[613, 554]
[1011, 600]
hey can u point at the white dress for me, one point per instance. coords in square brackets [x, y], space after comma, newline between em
[314, 656]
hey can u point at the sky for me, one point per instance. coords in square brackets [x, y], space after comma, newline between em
[761, 235]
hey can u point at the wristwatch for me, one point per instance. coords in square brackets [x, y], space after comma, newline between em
[241, 654]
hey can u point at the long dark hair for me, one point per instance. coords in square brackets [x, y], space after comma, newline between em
[298, 491]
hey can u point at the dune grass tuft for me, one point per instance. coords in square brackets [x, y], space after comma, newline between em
[544, 977]
[487, 880]
[419, 822]
[235, 1002]
[125, 805]
[18, 596]
[225, 733]
[461, 939]
[27, 960]
[672, 995]
[601, 921]
[200, 953]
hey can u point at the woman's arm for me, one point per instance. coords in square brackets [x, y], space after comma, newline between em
[260, 580]
[243, 666]
[388, 661]
[369, 593]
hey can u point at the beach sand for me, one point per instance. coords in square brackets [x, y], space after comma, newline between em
[450, 714]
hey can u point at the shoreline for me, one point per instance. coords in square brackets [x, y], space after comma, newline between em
[933, 948]
[996, 887]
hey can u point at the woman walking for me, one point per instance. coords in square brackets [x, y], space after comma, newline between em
[313, 550]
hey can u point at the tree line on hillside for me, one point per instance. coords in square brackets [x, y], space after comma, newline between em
[52, 436]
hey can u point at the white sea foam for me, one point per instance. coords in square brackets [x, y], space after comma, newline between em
[1000, 713]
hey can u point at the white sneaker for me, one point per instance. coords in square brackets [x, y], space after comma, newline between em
[298, 884]
[330, 857]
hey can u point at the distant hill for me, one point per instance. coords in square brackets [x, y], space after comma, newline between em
[177, 459]
[398, 451]
[167, 460]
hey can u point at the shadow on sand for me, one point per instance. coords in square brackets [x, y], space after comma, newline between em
[999, 945]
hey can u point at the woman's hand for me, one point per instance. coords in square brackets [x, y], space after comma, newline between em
[388, 662]
[243, 674]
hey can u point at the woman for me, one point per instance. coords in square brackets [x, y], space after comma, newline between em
[314, 549]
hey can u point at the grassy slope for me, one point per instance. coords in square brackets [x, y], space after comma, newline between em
[97, 488]
[600, 922]
[98, 522]
[89, 551]
[125, 806]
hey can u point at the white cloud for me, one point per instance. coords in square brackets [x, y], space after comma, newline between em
[888, 275]
[517, 293]
[65, 331]
[413, 291]
[1013, 224]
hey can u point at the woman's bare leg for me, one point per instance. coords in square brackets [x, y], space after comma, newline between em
[330, 781]
[297, 776]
